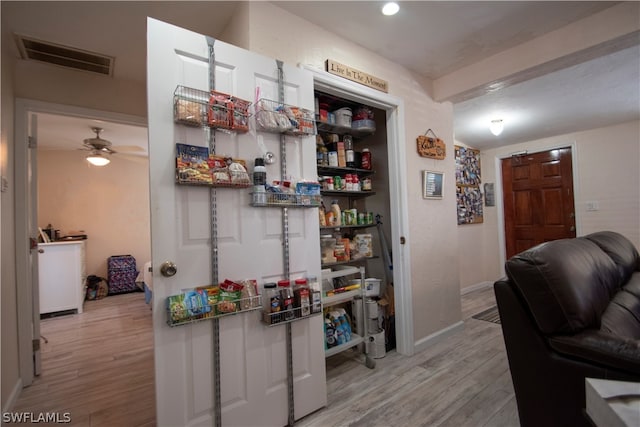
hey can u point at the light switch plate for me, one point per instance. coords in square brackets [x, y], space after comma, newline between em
[4, 184]
[593, 206]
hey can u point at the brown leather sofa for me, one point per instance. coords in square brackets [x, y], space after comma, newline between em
[569, 309]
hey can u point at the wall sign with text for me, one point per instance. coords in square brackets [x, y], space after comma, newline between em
[357, 76]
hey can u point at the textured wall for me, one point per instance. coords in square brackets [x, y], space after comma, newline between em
[432, 233]
[607, 171]
[110, 203]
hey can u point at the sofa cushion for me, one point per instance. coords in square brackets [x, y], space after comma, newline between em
[567, 284]
[622, 316]
[621, 251]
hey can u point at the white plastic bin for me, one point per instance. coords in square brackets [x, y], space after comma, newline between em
[343, 117]
[372, 287]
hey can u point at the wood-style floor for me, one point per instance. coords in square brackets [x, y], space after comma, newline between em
[99, 367]
[462, 381]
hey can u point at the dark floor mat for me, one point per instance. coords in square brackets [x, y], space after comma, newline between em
[490, 315]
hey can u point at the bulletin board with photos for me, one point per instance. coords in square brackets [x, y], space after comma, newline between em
[468, 180]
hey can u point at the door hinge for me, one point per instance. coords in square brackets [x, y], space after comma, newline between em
[33, 143]
[36, 345]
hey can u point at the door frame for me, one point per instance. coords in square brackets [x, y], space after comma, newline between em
[500, 190]
[394, 107]
[26, 280]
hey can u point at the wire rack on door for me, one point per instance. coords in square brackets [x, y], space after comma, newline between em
[194, 107]
[276, 117]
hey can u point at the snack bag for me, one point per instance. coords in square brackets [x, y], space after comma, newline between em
[229, 297]
[192, 165]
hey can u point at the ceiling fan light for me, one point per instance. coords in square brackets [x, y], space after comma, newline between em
[496, 127]
[97, 159]
[390, 8]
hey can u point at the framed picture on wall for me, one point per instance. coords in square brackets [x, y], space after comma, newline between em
[432, 183]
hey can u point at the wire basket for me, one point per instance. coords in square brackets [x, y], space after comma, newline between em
[190, 106]
[285, 200]
[275, 117]
[212, 311]
[193, 107]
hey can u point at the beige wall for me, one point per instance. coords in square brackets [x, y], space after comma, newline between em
[110, 203]
[58, 85]
[432, 234]
[470, 259]
[9, 332]
[607, 171]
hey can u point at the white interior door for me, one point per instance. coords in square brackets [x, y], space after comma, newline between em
[253, 377]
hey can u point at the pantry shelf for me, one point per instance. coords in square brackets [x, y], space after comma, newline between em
[343, 130]
[338, 227]
[351, 261]
[334, 170]
[340, 297]
[347, 193]
[354, 341]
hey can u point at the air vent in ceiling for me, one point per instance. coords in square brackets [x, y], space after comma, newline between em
[64, 56]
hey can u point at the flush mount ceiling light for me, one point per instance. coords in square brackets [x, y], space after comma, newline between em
[97, 159]
[390, 8]
[496, 126]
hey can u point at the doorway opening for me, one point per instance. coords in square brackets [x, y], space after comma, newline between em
[109, 205]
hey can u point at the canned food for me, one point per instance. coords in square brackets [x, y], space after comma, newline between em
[369, 217]
[362, 218]
[337, 183]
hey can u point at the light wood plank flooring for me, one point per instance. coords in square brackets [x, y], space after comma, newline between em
[99, 367]
[462, 381]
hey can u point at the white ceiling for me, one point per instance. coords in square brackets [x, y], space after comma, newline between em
[430, 38]
[56, 132]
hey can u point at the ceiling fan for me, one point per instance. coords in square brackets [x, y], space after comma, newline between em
[101, 149]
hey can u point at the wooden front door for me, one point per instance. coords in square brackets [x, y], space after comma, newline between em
[538, 199]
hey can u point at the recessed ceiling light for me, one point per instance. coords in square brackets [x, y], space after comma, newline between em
[390, 8]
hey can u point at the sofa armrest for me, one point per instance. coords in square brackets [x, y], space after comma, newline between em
[610, 351]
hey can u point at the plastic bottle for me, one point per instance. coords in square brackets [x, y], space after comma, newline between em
[329, 333]
[367, 163]
[346, 327]
[321, 215]
[259, 172]
[287, 299]
[337, 214]
[348, 151]
[271, 302]
[340, 337]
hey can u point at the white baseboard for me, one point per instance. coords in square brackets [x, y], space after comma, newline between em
[475, 287]
[429, 340]
[15, 393]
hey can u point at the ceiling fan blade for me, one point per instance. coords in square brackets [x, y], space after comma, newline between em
[133, 158]
[130, 148]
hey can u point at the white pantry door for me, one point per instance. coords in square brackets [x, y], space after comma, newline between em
[252, 356]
